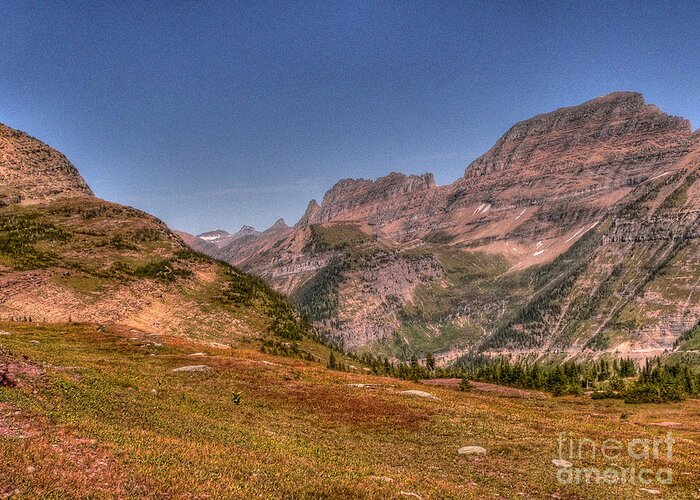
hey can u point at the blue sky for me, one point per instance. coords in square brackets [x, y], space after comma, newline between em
[219, 114]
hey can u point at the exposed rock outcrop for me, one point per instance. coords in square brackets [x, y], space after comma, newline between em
[350, 196]
[310, 215]
[279, 225]
[32, 172]
[609, 128]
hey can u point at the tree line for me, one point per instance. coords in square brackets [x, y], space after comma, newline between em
[620, 378]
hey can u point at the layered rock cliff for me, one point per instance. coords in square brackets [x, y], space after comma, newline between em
[597, 135]
[355, 198]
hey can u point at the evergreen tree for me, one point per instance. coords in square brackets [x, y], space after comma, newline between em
[429, 361]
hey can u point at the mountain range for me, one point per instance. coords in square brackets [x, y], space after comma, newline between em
[134, 367]
[576, 233]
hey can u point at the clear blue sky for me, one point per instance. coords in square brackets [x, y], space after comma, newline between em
[224, 113]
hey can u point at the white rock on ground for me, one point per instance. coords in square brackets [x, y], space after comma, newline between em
[420, 394]
[558, 462]
[471, 450]
[193, 368]
[410, 494]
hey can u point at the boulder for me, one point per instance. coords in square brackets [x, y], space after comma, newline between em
[471, 450]
[421, 394]
[193, 368]
[565, 464]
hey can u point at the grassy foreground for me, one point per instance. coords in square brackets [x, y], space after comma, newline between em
[101, 414]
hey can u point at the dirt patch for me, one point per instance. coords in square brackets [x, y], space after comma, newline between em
[13, 371]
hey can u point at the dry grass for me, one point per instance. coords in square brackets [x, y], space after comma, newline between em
[105, 416]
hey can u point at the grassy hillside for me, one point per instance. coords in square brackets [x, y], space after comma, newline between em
[100, 413]
[92, 261]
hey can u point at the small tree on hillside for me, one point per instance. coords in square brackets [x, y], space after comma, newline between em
[429, 361]
[465, 385]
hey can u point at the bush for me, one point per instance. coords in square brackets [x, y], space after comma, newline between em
[465, 385]
[654, 393]
[160, 270]
[606, 395]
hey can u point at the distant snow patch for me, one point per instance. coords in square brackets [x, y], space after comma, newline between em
[579, 232]
[574, 235]
[660, 175]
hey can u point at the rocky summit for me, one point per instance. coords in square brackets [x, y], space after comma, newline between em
[576, 233]
[32, 172]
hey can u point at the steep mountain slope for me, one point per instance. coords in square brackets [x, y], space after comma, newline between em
[68, 256]
[633, 283]
[574, 223]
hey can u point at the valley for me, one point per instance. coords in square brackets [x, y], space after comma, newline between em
[349, 250]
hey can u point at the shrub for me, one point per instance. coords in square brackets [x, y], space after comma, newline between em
[465, 385]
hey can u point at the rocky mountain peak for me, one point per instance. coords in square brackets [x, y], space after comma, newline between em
[246, 230]
[280, 224]
[32, 172]
[620, 122]
[221, 238]
[310, 215]
[349, 194]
